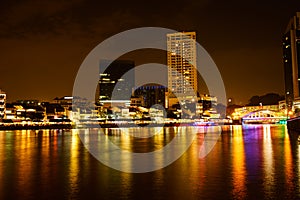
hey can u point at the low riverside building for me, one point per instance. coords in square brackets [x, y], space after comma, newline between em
[204, 106]
[25, 112]
[26, 109]
[65, 101]
[11, 111]
[2, 104]
[207, 103]
[150, 94]
[136, 101]
[54, 110]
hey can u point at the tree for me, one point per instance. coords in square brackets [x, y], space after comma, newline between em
[271, 99]
[267, 99]
[254, 101]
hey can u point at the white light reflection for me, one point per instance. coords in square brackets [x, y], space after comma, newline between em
[210, 138]
[268, 162]
[74, 163]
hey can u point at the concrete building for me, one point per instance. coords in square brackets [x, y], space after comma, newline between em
[291, 56]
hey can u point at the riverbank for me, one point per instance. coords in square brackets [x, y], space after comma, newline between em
[108, 124]
[34, 126]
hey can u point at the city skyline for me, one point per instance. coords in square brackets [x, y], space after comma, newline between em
[45, 43]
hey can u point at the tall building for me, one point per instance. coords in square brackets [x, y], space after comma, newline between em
[113, 84]
[181, 57]
[2, 104]
[291, 59]
[182, 67]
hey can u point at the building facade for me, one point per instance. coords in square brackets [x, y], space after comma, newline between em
[2, 104]
[291, 60]
[116, 81]
[182, 66]
[151, 95]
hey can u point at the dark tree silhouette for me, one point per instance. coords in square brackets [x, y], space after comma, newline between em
[254, 101]
[267, 99]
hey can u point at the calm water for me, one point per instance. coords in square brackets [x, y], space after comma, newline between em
[253, 162]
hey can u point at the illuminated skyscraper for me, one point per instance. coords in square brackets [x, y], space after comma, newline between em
[291, 59]
[182, 73]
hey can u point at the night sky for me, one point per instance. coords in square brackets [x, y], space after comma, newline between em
[43, 43]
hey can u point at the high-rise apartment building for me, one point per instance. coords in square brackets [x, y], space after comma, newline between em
[182, 66]
[291, 59]
[182, 63]
[2, 104]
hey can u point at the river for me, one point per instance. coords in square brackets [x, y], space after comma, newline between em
[244, 162]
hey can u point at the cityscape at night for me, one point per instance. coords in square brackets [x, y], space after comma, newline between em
[150, 100]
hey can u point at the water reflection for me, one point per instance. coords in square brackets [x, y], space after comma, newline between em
[249, 162]
[74, 164]
[238, 162]
[288, 163]
[132, 153]
[268, 159]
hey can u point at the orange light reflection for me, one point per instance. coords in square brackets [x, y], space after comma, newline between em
[239, 169]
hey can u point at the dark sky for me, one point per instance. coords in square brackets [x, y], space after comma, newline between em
[43, 43]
